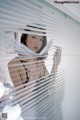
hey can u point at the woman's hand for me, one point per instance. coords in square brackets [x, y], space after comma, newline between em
[57, 57]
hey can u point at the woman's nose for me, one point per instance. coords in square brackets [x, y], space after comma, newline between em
[35, 42]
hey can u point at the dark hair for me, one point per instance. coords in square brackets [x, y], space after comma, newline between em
[24, 38]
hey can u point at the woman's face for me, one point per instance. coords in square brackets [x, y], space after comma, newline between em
[34, 42]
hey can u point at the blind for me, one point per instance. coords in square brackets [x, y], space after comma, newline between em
[41, 96]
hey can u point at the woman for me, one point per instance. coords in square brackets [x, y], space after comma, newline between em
[21, 72]
[26, 72]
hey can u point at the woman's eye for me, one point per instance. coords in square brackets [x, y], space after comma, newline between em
[33, 37]
[41, 39]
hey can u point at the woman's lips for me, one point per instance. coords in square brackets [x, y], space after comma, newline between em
[36, 48]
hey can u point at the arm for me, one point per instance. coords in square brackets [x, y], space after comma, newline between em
[14, 74]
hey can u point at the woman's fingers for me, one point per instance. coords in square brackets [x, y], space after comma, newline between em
[57, 57]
